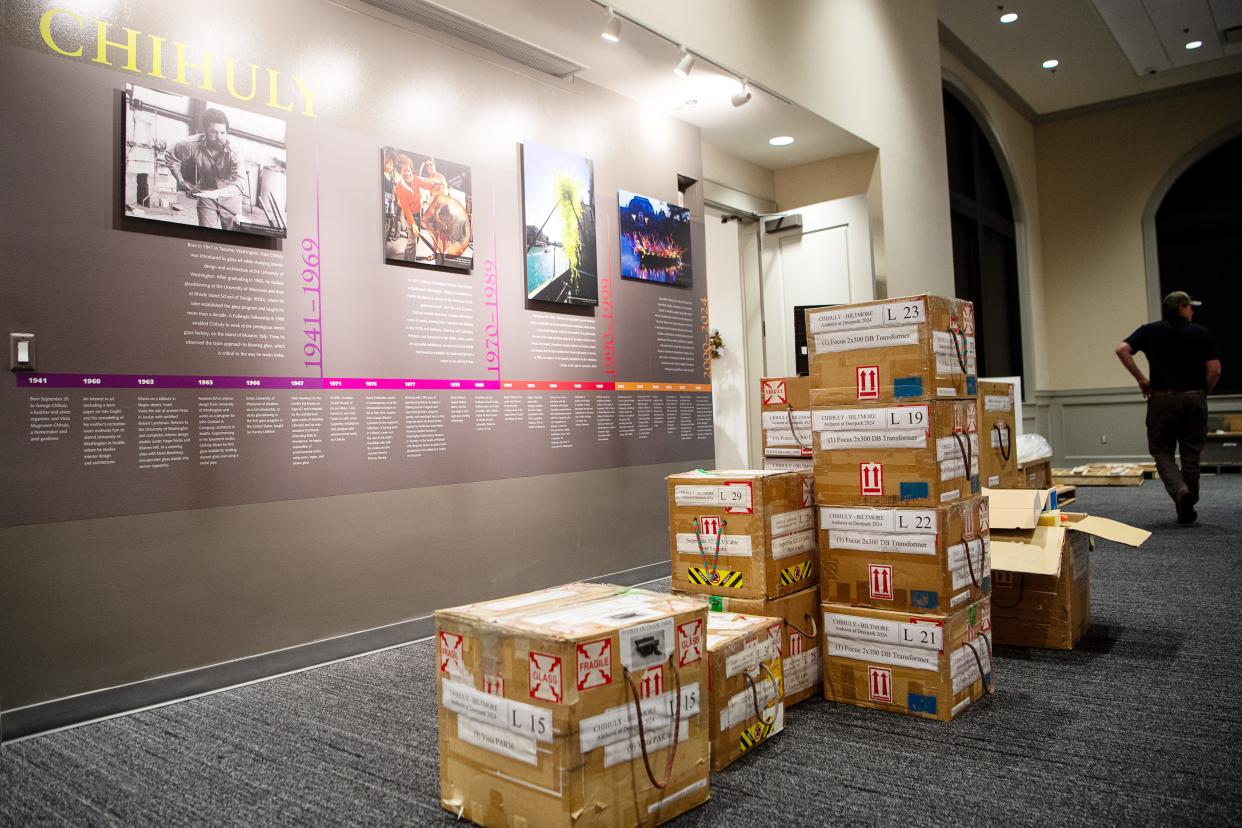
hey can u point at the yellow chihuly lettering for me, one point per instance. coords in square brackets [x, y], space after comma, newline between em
[273, 89]
[229, 83]
[45, 29]
[205, 68]
[157, 56]
[307, 95]
[130, 46]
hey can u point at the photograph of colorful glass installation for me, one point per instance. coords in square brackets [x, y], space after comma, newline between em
[427, 206]
[558, 203]
[655, 240]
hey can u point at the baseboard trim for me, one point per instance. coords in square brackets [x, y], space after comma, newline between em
[110, 702]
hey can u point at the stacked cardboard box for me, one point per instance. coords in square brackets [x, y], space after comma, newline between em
[561, 707]
[998, 461]
[745, 699]
[801, 667]
[743, 534]
[786, 417]
[904, 549]
[1042, 595]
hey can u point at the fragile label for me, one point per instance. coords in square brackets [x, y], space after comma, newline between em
[883, 653]
[452, 654]
[827, 343]
[515, 716]
[594, 663]
[918, 634]
[690, 642]
[646, 644]
[497, 740]
[922, 544]
[797, 520]
[911, 521]
[734, 546]
[736, 497]
[834, 440]
[900, 418]
[802, 670]
[774, 392]
[871, 316]
[617, 723]
[787, 419]
[994, 402]
[794, 544]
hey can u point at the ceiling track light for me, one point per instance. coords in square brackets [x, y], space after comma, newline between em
[612, 27]
[742, 96]
[685, 64]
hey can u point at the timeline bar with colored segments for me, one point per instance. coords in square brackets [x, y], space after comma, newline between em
[169, 381]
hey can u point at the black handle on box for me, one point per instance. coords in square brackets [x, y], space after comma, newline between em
[642, 732]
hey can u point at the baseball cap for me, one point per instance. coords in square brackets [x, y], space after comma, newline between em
[1178, 298]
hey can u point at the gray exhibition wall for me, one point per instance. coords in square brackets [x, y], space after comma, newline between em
[161, 527]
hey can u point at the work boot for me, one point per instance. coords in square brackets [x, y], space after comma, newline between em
[1185, 502]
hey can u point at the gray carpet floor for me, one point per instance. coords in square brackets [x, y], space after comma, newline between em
[1139, 724]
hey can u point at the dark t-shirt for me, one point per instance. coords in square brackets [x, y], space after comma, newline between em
[1176, 352]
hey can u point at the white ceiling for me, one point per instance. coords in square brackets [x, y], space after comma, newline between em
[1108, 49]
[640, 67]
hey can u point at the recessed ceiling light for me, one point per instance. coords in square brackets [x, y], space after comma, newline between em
[1051, 63]
[1009, 17]
[781, 140]
[1194, 44]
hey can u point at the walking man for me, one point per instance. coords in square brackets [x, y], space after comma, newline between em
[1184, 366]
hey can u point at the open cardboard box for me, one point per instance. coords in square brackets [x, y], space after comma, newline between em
[1041, 586]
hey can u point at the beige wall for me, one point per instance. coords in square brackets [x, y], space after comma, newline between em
[1097, 174]
[719, 167]
[870, 66]
[1014, 138]
[832, 178]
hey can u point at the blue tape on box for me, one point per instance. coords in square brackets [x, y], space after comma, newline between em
[918, 703]
[972, 385]
[924, 599]
[915, 490]
[987, 584]
[975, 485]
[906, 387]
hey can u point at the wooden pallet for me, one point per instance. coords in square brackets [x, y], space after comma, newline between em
[1065, 495]
[1100, 474]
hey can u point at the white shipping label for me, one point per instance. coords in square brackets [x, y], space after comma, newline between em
[798, 520]
[899, 418]
[793, 544]
[787, 464]
[514, 716]
[965, 666]
[736, 496]
[950, 448]
[879, 520]
[497, 740]
[617, 723]
[833, 440]
[920, 635]
[883, 654]
[790, 452]
[781, 419]
[952, 351]
[646, 644]
[882, 542]
[693, 787]
[960, 598]
[764, 648]
[802, 671]
[827, 343]
[785, 437]
[733, 546]
[741, 707]
[953, 469]
[994, 402]
[658, 739]
[871, 316]
[979, 563]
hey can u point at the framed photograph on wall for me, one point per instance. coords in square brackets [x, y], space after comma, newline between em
[428, 210]
[655, 240]
[558, 209]
[192, 161]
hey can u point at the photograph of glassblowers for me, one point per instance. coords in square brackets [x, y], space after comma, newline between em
[189, 161]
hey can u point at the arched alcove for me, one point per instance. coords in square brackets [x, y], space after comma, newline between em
[1198, 236]
[985, 229]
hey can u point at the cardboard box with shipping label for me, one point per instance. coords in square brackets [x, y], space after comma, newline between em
[998, 436]
[785, 418]
[932, 560]
[1041, 579]
[933, 666]
[573, 711]
[801, 665]
[893, 350]
[916, 454]
[746, 698]
[745, 534]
